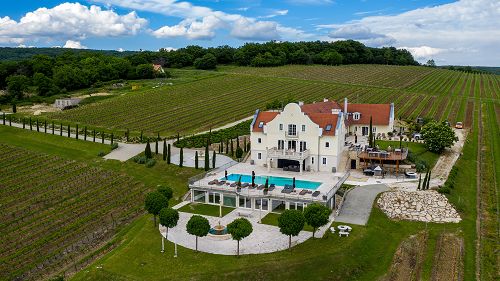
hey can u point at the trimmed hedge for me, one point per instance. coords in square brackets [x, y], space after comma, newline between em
[197, 141]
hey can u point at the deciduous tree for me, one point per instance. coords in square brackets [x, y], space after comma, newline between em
[239, 229]
[291, 223]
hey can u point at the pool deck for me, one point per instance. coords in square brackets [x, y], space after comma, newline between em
[328, 181]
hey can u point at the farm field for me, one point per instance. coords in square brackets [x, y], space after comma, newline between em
[364, 255]
[53, 210]
[213, 100]
[366, 75]
[60, 204]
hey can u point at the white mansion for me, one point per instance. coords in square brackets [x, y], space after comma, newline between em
[312, 136]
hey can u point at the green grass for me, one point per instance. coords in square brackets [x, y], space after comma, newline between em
[418, 149]
[52, 144]
[364, 255]
[205, 209]
[272, 219]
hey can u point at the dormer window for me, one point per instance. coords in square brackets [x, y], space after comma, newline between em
[261, 124]
[328, 127]
[356, 115]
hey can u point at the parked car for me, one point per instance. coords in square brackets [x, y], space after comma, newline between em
[459, 125]
[417, 136]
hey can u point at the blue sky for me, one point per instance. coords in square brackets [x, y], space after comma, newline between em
[463, 32]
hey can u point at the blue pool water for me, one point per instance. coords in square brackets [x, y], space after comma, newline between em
[278, 181]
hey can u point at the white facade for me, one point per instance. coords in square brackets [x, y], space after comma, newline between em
[293, 137]
[62, 103]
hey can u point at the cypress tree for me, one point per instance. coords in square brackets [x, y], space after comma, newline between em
[164, 149]
[237, 142]
[429, 180]
[419, 181]
[196, 159]
[61, 130]
[232, 149]
[181, 158]
[53, 127]
[221, 147]
[10, 120]
[178, 136]
[24, 124]
[207, 158]
[141, 136]
[227, 146]
[85, 133]
[102, 136]
[45, 126]
[156, 147]
[31, 126]
[370, 134]
[3, 118]
[245, 144]
[14, 108]
[37, 126]
[213, 160]
[128, 134]
[76, 131]
[93, 134]
[69, 131]
[425, 180]
[147, 151]
[112, 138]
[168, 154]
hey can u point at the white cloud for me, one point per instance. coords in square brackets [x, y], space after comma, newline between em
[120, 50]
[450, 31]
[424, 52]
[275, 14]
[202, 23]
[361, 33]
[311, 2]
[70, 44]
[69, 21]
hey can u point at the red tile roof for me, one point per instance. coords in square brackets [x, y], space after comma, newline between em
[263, 116]
[320, 107]
[325, 119]
[380, 113]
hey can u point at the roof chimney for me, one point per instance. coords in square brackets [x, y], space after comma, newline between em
[301, 103]
[345, 106]
[335, 111]
[325, 100]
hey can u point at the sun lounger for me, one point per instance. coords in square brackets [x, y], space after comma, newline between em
[316, 193]
[245, 184]
[271, 188]
[251, 187]
[272, 185]
[260, 187]
[211, 182]
[233, 184]
[303, 192]
[220, 183]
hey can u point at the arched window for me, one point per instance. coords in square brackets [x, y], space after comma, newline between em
[356, 115]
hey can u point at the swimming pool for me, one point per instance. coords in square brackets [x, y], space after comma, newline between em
[279, 181]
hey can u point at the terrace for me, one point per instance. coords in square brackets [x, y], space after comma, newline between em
[214, 189]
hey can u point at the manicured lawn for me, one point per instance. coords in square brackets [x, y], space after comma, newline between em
[364, 255]
[205, 209]
[272, 219]
[418, 149]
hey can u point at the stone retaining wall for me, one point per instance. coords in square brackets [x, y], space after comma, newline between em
[426, 206]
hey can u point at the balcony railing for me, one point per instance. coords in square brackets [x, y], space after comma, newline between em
[287, 154]
[291, 135]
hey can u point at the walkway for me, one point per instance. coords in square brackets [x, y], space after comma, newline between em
[264, 238]
[358, 204]
[126, 151]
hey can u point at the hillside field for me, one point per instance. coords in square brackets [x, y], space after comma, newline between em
[237, 92]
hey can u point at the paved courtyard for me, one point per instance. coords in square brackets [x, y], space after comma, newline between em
[264, 238]
[358, 204]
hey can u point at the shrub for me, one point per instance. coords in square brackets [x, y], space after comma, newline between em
[114, 146]
[139, 159]
[239, 152]
[101, 153]
[150, 163]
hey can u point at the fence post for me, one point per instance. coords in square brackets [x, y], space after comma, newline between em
[76, 131]
[69, 131]
[102, 137]
[10, 120]
[31, 126]
[45, 124]
[3, 117]
[61, 129]
[53, 127]
[37, 126]
[111, 138]
[24, 124]
[85, 133]
[94, 135]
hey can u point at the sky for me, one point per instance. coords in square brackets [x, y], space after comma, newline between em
[465, 32]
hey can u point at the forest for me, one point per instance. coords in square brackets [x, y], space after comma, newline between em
[53, 72]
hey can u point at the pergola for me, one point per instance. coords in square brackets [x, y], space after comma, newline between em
[381, 156]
